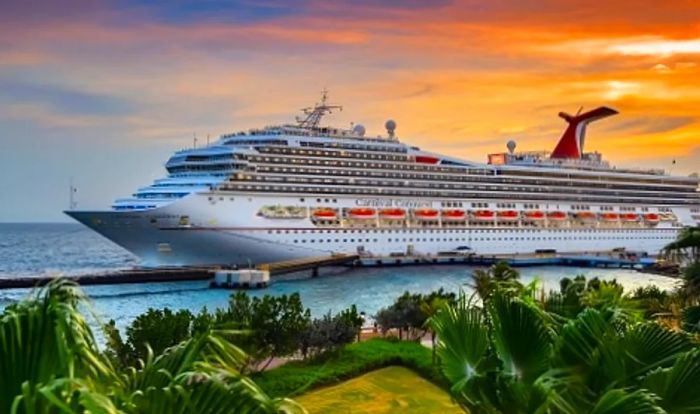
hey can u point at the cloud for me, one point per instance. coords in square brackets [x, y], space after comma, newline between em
[63, 100]
[649, 125]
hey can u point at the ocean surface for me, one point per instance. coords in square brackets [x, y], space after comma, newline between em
[41, 249]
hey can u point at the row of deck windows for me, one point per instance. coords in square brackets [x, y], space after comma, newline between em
[448, 186]
[371, 170]
[505, 173]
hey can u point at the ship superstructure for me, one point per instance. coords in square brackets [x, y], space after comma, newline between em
[300, 190]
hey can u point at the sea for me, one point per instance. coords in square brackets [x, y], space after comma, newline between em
[32, 249]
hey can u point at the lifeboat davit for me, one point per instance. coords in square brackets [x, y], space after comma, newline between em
[361, 213]
[534, 215]
[557, 215]
[585, 215]
[652, 217]
[325, 214]
[508, 215]
[453, 214]
[630, 217]
[484, 214]
[609, 216]
[392, 213]
[425, 214]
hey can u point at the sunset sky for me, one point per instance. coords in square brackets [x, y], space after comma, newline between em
[104, 91]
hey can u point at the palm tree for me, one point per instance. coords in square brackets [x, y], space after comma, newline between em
[513, 357]
[50, 362]
[501, 274]
[430, 306]
[686, 248]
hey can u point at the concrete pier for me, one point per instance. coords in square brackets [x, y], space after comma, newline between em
[139, 275]
[261, 275]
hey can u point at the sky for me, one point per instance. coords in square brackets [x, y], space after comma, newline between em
[104, 91]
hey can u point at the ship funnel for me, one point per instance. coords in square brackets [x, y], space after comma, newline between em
[571, 142]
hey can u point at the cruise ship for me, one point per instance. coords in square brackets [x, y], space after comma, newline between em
[302, 190]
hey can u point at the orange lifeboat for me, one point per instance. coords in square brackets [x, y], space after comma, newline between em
[392, 213]
[585, 215]
[361, 213]
[609, 216]
[534, 215]
[453, 214]
[325, 214]
[425, 214]
[652, 217]
[557, 215]
[484, 215]
[630, 217]
[508, 215]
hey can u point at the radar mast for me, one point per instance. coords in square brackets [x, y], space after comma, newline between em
[315, 113]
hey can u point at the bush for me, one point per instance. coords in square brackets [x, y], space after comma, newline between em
[157, 329]
[298, 377]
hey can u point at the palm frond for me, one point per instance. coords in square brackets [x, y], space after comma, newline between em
[44, 338]
[677, 387]
[649, 345]
[521, 337]
[618, 401]
[462, 339]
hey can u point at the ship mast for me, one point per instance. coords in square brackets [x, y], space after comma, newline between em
[315, 113]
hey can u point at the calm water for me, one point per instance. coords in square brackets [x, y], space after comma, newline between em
[30, 249]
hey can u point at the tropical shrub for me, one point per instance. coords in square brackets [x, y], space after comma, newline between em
[511, 356]
[150, 332]
[330, 332]
[50, 363]
[410, 311]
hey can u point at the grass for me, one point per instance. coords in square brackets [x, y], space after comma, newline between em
[388, 390]
[298, 377]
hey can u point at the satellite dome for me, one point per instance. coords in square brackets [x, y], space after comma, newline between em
[390, 126]
[359, 129]
[511, 146]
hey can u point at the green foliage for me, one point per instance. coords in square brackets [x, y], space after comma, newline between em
[275, 323]
[691, 319]
[579, 294]
[410, 311]
[297, 377]
[686, 248]
[50, 363]
[501, 276]
[153, 331]
[691, 281]
[330, 332]
[512, 357]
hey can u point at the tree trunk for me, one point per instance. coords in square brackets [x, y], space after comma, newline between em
[267, 364]
[432, 341]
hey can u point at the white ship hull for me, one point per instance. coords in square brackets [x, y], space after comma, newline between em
[227, 229]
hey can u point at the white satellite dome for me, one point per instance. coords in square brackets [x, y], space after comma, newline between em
[390, 126]
[511, 146]
[359, 129]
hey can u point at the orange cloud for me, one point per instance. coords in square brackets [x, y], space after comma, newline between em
[460, 77]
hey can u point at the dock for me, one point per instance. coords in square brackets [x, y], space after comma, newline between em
[180, 274]
[230, 277]
[596, 259]
[138, 275]
[311, 263]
